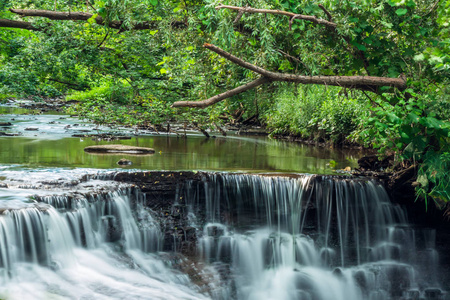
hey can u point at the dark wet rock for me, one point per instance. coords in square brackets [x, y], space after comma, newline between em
[124, 162]
[118, 148]
[433, 294]
[8, 134]
[371, 162]
[338, 273]
[112, 230]
[3, 185]
[5, 124]
[31, 129]
[412, 295]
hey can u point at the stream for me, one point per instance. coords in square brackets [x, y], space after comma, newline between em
[221, 218]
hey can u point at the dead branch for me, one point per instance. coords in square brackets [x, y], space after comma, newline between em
[205, 133]
[252, 10]
[370, 83]
[18, 24]
[78, 16]
[365, 83]
[330, 17]
[223, 96]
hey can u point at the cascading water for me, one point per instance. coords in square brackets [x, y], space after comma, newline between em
[309, 238]
[89, 246]
[259, 237]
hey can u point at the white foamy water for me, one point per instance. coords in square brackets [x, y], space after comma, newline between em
[64, 235]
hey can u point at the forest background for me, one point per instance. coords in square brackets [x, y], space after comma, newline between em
[373, 73]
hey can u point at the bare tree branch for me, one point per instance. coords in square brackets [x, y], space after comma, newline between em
[365, 83]
[251, 10]
[369, 83]
[18, 24]
[239, 16]
[330, 17]
[223, 96]
[296, 59]
[78, 16]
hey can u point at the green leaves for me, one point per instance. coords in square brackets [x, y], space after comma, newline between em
[401, 11]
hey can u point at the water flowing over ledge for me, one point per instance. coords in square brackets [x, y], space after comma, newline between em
[188, 235]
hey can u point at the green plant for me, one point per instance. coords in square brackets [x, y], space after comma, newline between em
[434, 178]
[315, 112]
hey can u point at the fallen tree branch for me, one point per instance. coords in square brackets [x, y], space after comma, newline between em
[18, 24]
[370, 83]
[365, 83]
[78, 16]
[223, 96]
[205, 133]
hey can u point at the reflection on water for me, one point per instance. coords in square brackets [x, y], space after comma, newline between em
[172, 153]
[45, 140]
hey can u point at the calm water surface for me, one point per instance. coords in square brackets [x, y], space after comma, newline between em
[52, 146]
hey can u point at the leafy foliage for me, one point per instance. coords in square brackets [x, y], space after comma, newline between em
[316, 113]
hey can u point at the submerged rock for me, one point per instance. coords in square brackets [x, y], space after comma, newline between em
[5, 124]
[32, 129]
[124, 161]
[119, 149]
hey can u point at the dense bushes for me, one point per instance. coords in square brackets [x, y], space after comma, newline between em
[316, 112]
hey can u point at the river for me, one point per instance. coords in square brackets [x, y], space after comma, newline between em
[220, 218]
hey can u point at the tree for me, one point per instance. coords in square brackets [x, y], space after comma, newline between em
[379, 39]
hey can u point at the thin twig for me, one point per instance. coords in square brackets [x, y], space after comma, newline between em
[330, 17]
[432, 8]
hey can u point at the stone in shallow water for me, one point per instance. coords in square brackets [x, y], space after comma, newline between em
[119, 149]
[5, 124]
[124, 162]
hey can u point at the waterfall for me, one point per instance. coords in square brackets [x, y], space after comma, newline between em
[86, 246]
[303, 237]
[310, 237]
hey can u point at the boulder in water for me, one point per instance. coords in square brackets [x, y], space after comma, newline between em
[119, 149]
[5, 124]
